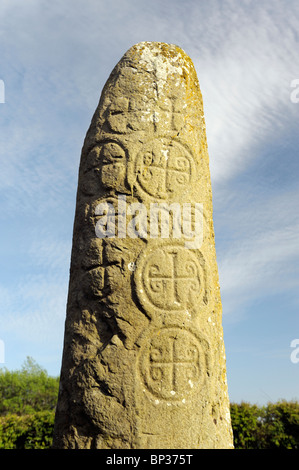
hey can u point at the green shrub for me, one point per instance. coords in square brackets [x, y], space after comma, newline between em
[280, 429]
[275, 426]
[32, 431]
[27, 390]
[245, 423]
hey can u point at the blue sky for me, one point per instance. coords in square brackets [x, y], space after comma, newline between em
[54, 60]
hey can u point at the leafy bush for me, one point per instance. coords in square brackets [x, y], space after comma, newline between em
[245, 422]
[275, 426]
[27, 390]
[27, 432]
[280, 426]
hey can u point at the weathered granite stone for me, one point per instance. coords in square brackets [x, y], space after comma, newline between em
[144, 362]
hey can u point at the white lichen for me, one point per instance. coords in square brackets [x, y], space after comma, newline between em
[165, 153]
[160, 64]
[132, 266]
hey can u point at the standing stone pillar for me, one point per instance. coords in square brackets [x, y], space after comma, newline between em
[144, 362]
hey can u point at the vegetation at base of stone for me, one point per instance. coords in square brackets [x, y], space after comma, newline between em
[27, 408]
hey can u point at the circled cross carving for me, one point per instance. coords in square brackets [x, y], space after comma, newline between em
[164, 167]
[172, 363]
[170, 278]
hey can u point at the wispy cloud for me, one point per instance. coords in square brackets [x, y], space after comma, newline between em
[245, 76]
[262, 254]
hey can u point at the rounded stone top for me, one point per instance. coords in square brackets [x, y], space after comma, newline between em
[161, 58]
[152, 89]
[169, 50]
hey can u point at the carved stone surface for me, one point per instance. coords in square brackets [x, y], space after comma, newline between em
[173, 364]
[170, 278]
[144, 363]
